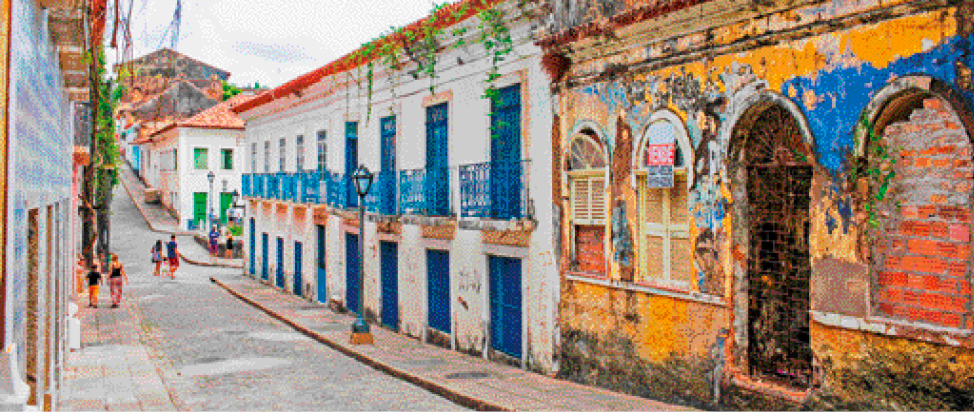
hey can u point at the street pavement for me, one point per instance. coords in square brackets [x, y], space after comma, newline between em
[187, 344]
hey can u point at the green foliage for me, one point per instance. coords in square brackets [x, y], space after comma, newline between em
[235, 230]
[878, 168]
[104, 160]
[230, 90]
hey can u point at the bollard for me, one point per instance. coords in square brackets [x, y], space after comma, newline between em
[74, 327]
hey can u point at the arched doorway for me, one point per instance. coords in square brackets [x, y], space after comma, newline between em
[774, 161]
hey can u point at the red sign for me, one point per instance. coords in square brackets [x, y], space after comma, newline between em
[660, 154]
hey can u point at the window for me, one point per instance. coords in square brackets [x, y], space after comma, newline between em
[267, 156]
[200, 156]
[664, 253]
[253, 157]
[322, 151]
[227, 159]
[586, 186]
[175, 159]
[282, 152]
[300, 149]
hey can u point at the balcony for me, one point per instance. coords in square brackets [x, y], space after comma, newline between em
[272, 186]
[311, 183]
[245, 184]
[337, 188]
[494, 190]
[425, 191]
[289, 186]
[382, 197]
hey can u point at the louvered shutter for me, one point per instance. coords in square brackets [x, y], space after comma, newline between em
[597, 200]
[580, 200]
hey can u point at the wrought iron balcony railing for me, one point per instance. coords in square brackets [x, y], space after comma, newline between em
[382, 197]
[289, 186]
[425, 191]
[245, 184]
[494, 190]
[337, 190]
[272, 183]
[311, 186]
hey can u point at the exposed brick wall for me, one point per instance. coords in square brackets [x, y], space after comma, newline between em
[922, 256]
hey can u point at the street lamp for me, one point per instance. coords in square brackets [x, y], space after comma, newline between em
[210, 176]
[362, 178]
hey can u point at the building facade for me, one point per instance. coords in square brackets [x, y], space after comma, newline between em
[457, 231]
[181, 156]
[41, 62]
[767, 198]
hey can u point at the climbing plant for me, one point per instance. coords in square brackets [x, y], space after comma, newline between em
[229, 90]
[875, 170]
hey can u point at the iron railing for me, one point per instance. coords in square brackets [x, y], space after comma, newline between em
[382, 197]
[245, 184]
[272, 183]
[289, 186]
[494, 190]
[311, 187]
[337, 190]
[257, 185]
[425, 191]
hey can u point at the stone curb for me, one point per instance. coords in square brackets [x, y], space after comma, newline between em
[439, 389]
[154, 229]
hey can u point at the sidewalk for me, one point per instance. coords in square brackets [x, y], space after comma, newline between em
[470, 381]
[114, 370]
[159, 220]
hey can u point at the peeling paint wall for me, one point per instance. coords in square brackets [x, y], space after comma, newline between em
[827, 65]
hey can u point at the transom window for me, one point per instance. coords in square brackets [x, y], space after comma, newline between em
[586, 186]
[664, 241]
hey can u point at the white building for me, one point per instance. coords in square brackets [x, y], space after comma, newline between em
[179, 156]
[459, 230]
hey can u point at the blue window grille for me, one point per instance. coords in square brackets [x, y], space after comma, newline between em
[425, 191]
[495, 190]
[385, 189]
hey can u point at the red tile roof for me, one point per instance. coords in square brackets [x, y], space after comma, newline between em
[444, 18]
[220, 116]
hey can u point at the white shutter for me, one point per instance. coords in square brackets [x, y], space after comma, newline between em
[597, 200]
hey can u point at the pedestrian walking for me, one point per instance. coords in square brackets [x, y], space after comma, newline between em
[157, 257]
[94, 279]
[214, 239]
[116, 279]
[173, 254]
[229, 252]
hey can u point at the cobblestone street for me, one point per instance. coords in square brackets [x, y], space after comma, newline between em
[187, 344]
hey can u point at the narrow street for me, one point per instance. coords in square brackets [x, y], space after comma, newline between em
[213, 351]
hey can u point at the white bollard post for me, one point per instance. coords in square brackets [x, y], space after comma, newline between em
[74, 327]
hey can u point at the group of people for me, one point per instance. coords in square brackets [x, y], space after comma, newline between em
[215, 242]
[118, 277]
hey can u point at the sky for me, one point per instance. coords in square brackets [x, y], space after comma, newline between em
[266, 41]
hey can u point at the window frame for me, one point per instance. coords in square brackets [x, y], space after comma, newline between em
[267, 156]
[299, 149]
[282, 155]
[665, 229]
[570, 177]
[206, 158]
[321, 137]
[223, 158]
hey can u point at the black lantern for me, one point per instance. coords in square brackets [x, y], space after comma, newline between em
[363, 180]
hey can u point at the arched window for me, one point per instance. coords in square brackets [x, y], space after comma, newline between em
[664, 241]
[586, 186]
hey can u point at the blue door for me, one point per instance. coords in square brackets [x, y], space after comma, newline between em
[322, 275]
[438, 289]
[437, 177]
[387, 178]
[280, 263]
[505, 305]
[389, 254]
[253, 246]
[263, 272]
[505, 153]
[351, 162]
[351, 272]
[297, 269]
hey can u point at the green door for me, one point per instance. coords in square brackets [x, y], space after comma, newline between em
[199, 208]
[226, 199]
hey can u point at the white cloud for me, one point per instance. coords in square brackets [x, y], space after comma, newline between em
[267, 41]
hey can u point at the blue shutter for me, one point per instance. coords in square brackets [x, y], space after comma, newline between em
[298, 282]
[437, 186]
[351, 161]
[505, 154]
[322, 273]
[438, 289]
[351, 272]
[505, 304]
[390, 284]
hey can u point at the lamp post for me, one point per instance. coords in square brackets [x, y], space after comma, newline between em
[227, 223]
[209, 215]
[363, 182]
[238, 213]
